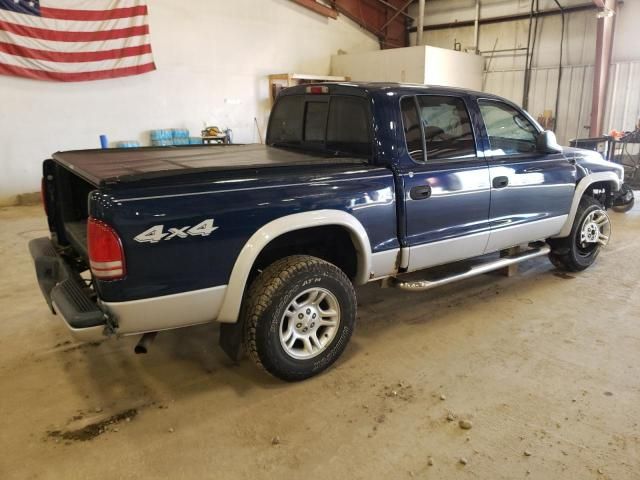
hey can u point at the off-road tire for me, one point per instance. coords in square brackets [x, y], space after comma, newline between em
[565, 253]
[268, 297]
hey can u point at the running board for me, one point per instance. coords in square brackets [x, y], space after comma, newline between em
[419, 286]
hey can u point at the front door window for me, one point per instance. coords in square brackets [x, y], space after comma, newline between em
[509, 131]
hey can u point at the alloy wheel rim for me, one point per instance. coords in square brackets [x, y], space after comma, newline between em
[310, 323]
[595, 231]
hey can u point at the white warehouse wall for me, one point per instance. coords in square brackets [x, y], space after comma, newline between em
[504, 73]
[212, 56]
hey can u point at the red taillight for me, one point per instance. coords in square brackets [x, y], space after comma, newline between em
[43, 195]
[106, 256]
[317, 90]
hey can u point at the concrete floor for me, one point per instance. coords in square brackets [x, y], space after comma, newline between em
[545, 365]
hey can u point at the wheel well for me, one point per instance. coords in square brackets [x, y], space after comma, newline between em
[331, 243]
[602, 192]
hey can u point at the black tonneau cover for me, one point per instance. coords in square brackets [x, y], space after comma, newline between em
[101, 167]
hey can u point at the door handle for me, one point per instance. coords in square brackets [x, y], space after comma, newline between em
[500, 182]
[420, 192]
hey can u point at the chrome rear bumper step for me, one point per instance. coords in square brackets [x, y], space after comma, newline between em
[421, 285]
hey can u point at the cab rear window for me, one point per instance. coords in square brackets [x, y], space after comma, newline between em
[336, 124]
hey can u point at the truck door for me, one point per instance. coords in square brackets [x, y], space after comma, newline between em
[446, 183]
[531, 192]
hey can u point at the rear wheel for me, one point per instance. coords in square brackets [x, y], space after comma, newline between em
[299, 316]
[590, 232]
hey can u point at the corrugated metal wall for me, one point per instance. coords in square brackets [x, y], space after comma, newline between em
[623, 99]
[623, 107]
[574, 109]
[505, 70]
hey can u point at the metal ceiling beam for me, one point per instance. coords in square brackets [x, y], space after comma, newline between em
[396, 8]
[395, 15]
[374, 15]
[317, 8]
[507, 18]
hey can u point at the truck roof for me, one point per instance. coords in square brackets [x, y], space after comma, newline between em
[366, 88]
[117, 165]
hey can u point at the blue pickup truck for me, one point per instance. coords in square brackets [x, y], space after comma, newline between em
[357, 183]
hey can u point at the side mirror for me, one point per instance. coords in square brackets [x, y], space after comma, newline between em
[546, 142]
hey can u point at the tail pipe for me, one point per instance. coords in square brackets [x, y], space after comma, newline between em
[145, 342]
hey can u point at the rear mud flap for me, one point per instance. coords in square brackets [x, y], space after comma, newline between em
[231, 339]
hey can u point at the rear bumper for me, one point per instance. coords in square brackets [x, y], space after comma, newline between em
[90, 319]
[66, 293]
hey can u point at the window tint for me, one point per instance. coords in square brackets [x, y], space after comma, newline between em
[315, 121]
[412, 130]
[447, 128]
[348, 128]
[285, 125]
[509, 131]
[339, 125]
[444, 124]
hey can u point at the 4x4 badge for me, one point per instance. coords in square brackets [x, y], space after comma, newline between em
[156, 233]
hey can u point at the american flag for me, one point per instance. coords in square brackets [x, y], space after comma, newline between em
[74, 40]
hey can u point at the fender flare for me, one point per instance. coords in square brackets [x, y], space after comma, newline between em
[581, 187]
[230, 309]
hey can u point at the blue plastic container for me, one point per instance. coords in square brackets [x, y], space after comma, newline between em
[129, 144]
[161, 143]
[160, 135]
[180, 133]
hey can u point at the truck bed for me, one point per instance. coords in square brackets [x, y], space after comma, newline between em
[101, 167]
[76, 233]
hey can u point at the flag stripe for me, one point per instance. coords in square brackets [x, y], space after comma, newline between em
[75, 77]
[90, 4]
[93, 15]
[61, 36]
[48, 45]
[71, 25]
[75, 67]
[73, 56]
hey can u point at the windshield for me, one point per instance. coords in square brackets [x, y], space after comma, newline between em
[338, 125]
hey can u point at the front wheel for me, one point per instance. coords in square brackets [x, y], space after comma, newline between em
[590, 232]
[299, 315]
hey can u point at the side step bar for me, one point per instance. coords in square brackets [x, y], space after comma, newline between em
[419, 286]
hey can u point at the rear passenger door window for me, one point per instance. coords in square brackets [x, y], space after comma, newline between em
[439, 126]
[412, 129]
